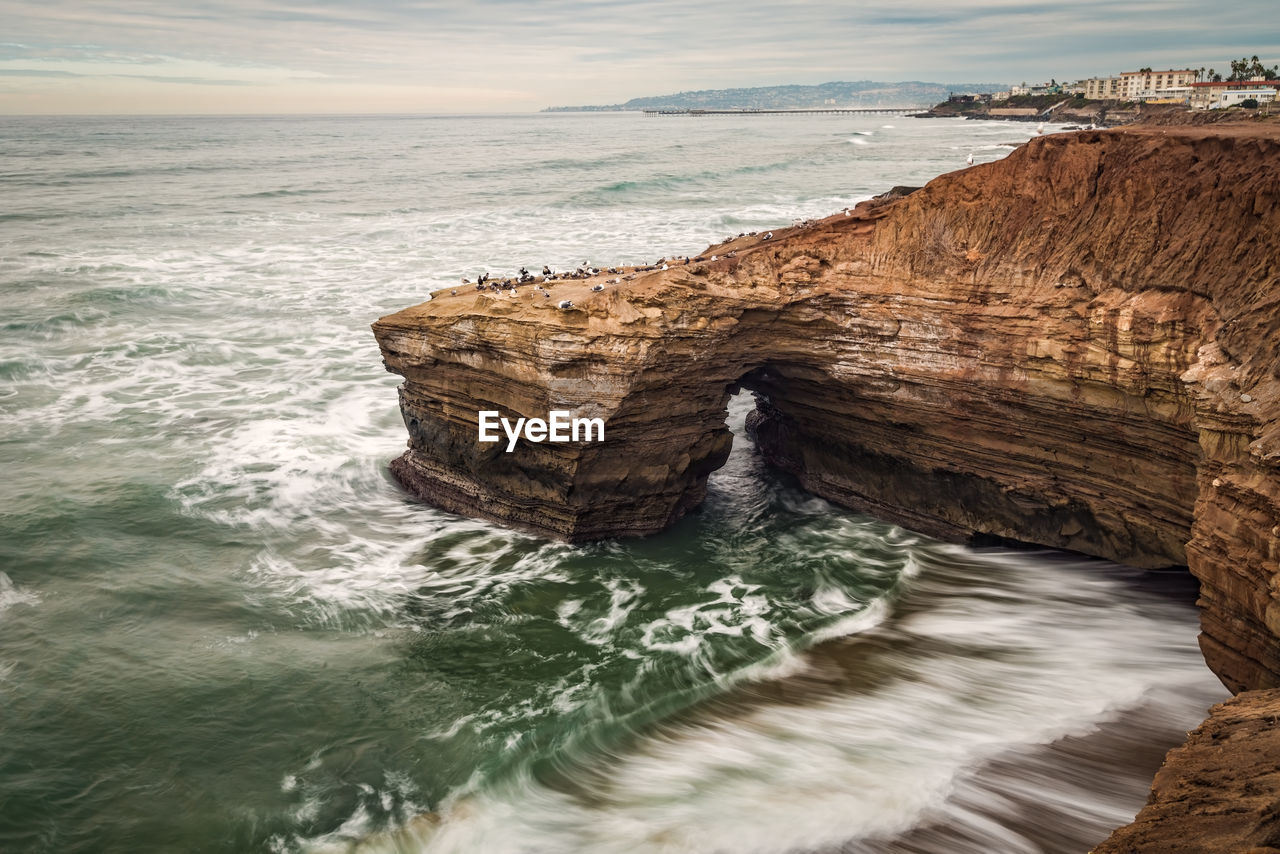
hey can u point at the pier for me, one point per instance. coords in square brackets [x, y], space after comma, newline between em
[840, 111]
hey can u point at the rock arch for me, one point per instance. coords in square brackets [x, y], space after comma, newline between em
[1077, 346]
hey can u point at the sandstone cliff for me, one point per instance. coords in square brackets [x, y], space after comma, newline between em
[1076, 346]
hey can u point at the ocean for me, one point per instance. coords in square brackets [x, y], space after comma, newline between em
[224, 628]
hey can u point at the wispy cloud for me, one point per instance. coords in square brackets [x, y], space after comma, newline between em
[35, 72]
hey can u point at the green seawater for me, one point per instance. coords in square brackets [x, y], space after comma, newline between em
[224, 628]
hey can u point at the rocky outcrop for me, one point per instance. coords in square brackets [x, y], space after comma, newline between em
[1076, 346]
[1217, 793]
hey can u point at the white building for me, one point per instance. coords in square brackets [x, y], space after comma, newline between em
[1155, 85]
[1215, 96]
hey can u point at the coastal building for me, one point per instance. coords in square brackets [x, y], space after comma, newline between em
[1219, 94]
[1035, 89]
[1156, 85]
[1102, 88]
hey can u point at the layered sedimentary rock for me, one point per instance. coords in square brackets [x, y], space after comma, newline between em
[1217, 793]
[1076, 346]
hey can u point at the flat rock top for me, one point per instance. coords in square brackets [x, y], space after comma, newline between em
[1233, 130]
[639, 285]
[1221, 122]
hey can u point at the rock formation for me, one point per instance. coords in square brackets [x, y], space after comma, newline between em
[1076, 346]
[1217, 793]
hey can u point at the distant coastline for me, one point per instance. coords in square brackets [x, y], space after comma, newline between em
[858, 93]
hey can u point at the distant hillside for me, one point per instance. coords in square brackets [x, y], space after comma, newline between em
[858, 93]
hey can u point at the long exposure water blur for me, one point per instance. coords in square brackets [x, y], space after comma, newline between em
[224, 628]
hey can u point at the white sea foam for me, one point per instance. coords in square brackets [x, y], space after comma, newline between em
[11, 594]
[623, 596]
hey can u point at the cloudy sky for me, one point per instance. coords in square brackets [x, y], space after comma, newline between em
[253, 56]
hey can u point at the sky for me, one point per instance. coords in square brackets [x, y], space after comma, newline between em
[426, 56]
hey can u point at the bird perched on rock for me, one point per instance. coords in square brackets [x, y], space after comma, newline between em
[564, 303]
[969, 159]
[597, 287]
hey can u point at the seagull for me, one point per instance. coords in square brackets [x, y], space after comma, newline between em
[969, 159]
[1040, 128]
[564, 303]
[597, 287]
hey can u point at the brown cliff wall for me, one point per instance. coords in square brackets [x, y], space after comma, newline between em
[1075, 346]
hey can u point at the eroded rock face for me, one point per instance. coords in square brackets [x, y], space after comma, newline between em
[1076, 346]
[1217, 793]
